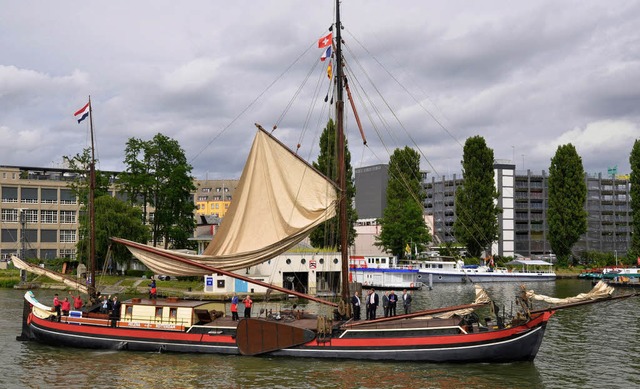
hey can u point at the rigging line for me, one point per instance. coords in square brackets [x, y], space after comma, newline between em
[403, 179]
[475, 228]
[312, 106]
[391, 110]
[253, 102]
[295, 95]
[444, 128]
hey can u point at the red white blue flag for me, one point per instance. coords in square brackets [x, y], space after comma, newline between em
[325, 41]
[82, 113]
[326, 54]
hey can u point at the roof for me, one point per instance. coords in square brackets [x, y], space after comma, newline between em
[529, 262]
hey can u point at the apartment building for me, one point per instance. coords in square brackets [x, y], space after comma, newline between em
[524, 201]
[213, 197]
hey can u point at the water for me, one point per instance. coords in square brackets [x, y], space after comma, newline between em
[595, 346]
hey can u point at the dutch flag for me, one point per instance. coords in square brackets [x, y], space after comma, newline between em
[82, 113]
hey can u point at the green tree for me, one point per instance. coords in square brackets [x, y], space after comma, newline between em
[158, 174]
[476, 224]
[403, 222]
[328, 234]
[80, 186]
[566, 216]
[634, 181]
[113, 218]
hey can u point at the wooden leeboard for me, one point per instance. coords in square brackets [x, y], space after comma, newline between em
[257, 336]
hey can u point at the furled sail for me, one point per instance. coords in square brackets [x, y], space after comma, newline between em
[279, 200]
[23, 265]
[600, 291]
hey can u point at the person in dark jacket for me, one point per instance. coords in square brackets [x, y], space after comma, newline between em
[406, 301]
[373, 301]
[355, 302]
[115, 311]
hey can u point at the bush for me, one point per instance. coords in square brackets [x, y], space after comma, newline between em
[135, 273]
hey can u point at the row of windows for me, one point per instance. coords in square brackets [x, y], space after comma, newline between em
[46, 216]
[214, 198]
[218, 189]
[8, 235]
[44, 253]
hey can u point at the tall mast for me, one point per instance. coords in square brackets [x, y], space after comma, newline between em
[342, 177]
[92, 215]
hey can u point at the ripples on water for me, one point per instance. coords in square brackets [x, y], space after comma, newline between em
[595, 346]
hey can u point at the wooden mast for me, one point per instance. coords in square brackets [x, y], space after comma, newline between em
[342, 177]
[92, 215]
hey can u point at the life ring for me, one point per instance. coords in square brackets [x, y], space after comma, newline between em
[411, 285]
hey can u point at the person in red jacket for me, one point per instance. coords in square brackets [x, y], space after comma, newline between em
[77, 302]
[247, 306]
[66, 306]
[57, 304]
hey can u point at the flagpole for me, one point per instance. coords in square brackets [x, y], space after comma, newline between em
[92, 216]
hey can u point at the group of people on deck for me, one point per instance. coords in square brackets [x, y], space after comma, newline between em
[389, 302]
[63, 307]
[234, 307]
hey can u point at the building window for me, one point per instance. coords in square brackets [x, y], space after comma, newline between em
[68, 253]
[49, 217]
[67, 236]
[9, 215]
[218, 189]
[67, 217]
[226, 189]
[30, 215]
[206, 190]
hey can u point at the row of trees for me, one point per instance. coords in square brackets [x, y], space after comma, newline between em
[157, 174]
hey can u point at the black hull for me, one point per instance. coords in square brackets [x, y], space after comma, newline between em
[520, 344]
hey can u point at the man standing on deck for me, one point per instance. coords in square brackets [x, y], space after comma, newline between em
[393, 299]
[373, 304]
[355, 301]
[406, 301]
[57, 306]
[385, 304]
[247, 306]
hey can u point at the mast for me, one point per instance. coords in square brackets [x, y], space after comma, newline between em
[92, 215]
[342, 177]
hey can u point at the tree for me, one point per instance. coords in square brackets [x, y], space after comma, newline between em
[158, 174]
[476, 223]
[403, 222]
[80, 185]
[328, 234]
[634, 181]
[566, 216]
[113, 218]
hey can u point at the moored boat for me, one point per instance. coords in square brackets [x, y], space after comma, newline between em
[527, 270]
[252, 233]
[381, 272]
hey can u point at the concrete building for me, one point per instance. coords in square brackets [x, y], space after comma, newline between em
[213, 197]
[524, 201]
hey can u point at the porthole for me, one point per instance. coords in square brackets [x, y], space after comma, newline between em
[288, 261]
[335, 261]
[303, 261]
[321, 261]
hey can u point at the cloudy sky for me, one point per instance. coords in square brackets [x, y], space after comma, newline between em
[527, 77]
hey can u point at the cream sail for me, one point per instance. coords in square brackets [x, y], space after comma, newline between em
[279, 200]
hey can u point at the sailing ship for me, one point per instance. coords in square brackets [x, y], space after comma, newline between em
[300, 198]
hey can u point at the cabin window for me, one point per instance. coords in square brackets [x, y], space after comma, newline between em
[377, 261]
[128, 312]
[321, 261]
[303, 261]
[383, 260]
[288, 261]
[335, 261]
[158, 313]
[173, 314]
[220, 283]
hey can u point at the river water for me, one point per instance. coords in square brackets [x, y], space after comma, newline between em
[595, 346]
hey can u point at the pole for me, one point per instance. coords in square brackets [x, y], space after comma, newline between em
[342, 180]
[92, 214]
